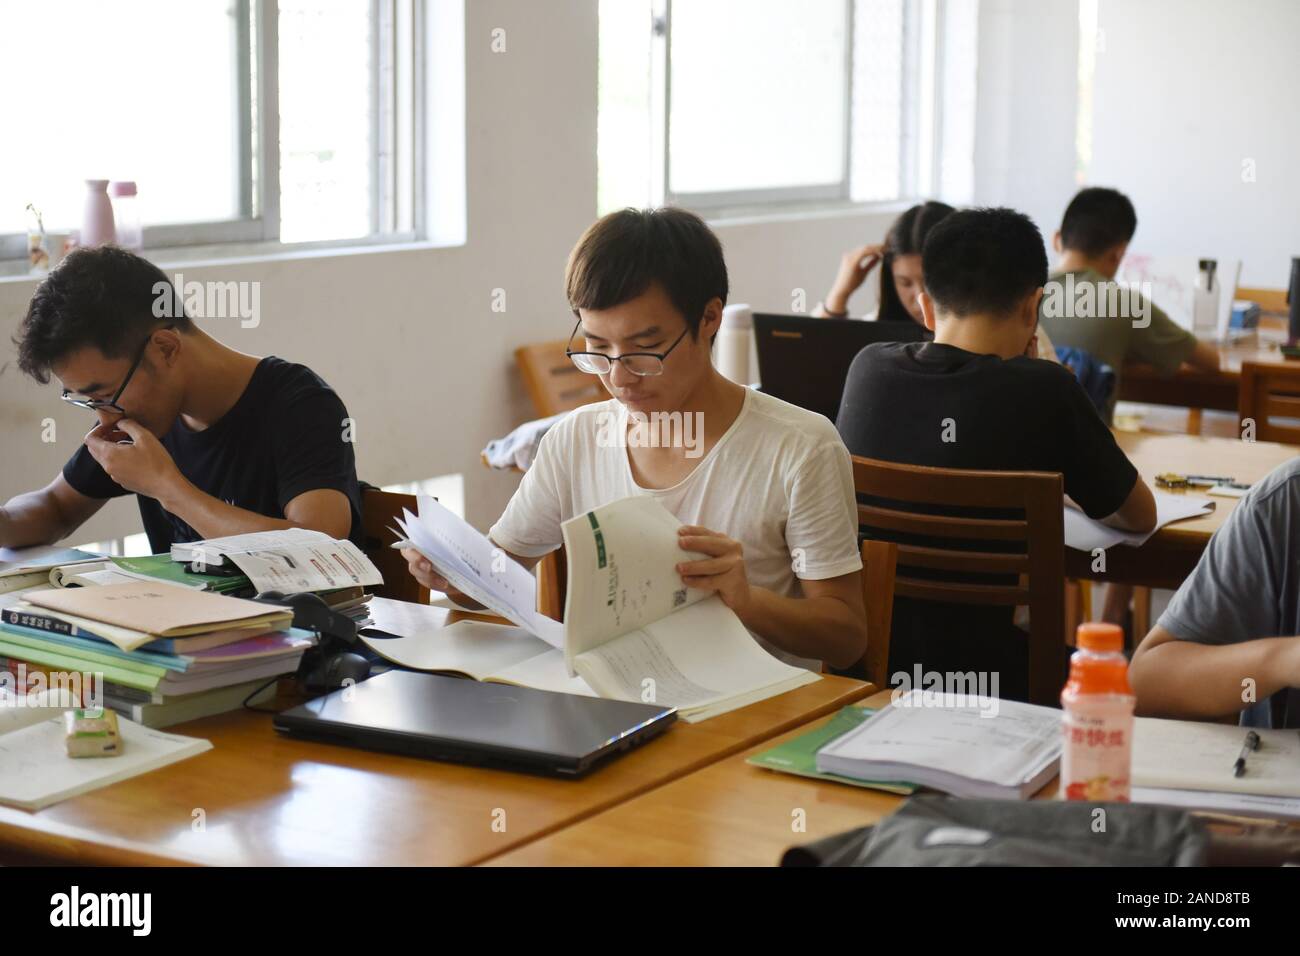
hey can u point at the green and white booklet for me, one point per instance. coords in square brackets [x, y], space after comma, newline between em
[632, 630]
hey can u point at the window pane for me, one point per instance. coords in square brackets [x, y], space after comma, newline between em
[325, 119]
[623, 112]
[877, 100]
[139, 89]
[757, 94]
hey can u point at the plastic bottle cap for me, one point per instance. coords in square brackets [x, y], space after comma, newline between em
[1097, 636]
[122, 188]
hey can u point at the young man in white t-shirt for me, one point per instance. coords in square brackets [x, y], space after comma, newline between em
[763, 488]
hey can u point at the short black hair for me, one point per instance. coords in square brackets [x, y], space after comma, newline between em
[623, 253]
[983, 261]
[103, 297]
[1097, 220]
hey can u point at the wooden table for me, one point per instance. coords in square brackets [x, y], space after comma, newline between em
[265, 799]
[734, 814]
[729, 814]
[1169, 556]
[1194, 388]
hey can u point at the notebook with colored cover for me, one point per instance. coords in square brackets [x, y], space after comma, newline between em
[159, 609]
[798, 755]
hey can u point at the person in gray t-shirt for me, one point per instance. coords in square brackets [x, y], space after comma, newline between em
[1229, 641]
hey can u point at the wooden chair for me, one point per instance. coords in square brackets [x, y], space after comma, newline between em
[879, 566]
[1269, 392]
[1035, 547]
[552, 584]
[554, 383]
[379, 511]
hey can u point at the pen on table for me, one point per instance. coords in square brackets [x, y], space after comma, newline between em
[1252, 743]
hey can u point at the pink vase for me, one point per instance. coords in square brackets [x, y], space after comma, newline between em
[97, 215]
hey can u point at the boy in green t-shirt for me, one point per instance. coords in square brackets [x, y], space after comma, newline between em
[1084, 308]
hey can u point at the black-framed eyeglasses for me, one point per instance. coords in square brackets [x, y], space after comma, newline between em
[644, 364]
[99, 404]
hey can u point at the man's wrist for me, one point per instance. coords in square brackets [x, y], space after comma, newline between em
[175, 493]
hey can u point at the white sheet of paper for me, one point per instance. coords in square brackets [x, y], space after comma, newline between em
[1085, 534]
[36, 772]
[1241, 804]
[476, 567]
[470, 647]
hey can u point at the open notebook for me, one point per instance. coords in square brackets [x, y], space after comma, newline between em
[36, 772]
[632, 631]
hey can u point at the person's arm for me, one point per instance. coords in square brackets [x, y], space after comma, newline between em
[1163, 343]
[1137, 513]
[1097, 472]
[1174, 678]
[45, 516]
[828, 623]
[1204, 356]
[145, 467]
[855, 266]
[322, 509]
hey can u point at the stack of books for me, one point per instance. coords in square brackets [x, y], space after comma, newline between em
[170, 633]
[166, 654]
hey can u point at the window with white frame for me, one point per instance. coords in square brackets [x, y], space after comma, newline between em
[737, 104]
[239, 120]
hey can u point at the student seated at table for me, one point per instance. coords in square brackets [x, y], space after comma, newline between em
[1229, 641]
[764, 489]
[902, 278]
[976, 398]
[1083, 308]
[211, 441]
[899, 258]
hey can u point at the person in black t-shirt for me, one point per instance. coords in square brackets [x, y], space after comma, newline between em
[977, 398]
[212, 442]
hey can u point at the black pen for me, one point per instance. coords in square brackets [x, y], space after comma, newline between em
[1252, 743]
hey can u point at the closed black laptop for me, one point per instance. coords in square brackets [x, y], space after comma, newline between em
[492, 725]
[805, 361]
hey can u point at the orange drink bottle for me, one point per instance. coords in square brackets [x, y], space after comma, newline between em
[1097, 756]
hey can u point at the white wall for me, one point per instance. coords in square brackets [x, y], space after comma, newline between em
[408, 337]
[1186, 92]
[1026, 96]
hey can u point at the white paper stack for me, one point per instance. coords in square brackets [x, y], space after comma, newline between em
[973, 747]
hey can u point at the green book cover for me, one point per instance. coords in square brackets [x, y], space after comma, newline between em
[69, 662]
[162, 566]
[799, 755]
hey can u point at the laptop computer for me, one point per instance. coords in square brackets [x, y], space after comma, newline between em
[805, 361]
[486, 724]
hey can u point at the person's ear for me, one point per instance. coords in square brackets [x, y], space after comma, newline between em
[1119, 252]
[1056, 242]
[1033, 303]
[711, 321]
[927, 309]
[169, 344]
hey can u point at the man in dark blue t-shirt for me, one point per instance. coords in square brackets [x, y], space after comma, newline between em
[212, 442]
